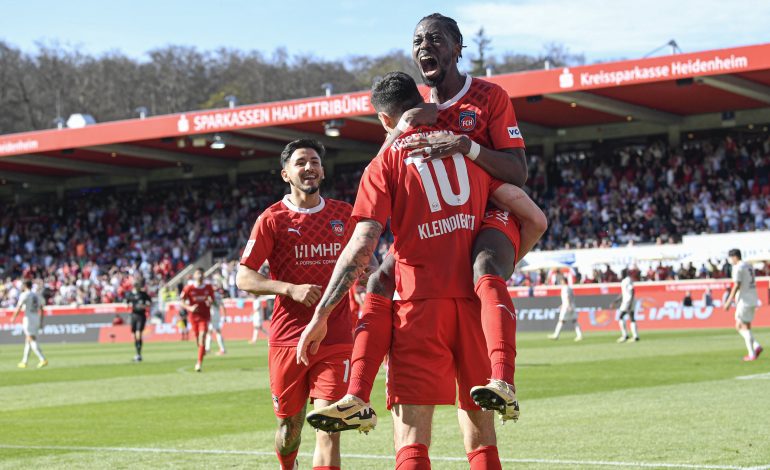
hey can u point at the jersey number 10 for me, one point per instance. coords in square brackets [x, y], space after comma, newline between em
[447, 193]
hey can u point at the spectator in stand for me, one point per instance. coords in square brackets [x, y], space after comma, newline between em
[90, 246]
[642, 193]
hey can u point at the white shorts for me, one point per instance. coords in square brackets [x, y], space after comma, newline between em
[31, 325]
[744, 313]
[257, 319]
[568, 314]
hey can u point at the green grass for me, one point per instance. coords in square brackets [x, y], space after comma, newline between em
[672, 398]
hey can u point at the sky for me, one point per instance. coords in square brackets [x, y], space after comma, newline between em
[600, 29]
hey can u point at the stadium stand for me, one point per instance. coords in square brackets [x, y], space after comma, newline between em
[89, 246]
[653, 194]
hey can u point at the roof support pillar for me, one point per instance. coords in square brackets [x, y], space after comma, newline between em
[674, 135]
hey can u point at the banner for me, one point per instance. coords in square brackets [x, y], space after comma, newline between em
[190, 123]
[659, 306]
[94, 323]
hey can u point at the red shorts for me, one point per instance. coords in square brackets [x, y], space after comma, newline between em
[505, 222]
[326, 377]
[199, 324]
[438, 348]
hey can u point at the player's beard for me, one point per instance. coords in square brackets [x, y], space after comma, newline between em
[433, 82]
[306, 189]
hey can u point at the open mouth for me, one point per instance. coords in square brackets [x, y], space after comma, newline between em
[429, 66]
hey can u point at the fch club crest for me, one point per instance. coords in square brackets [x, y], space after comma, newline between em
[467, 120]
[338, 227]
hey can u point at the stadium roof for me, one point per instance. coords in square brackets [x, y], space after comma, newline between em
[660, 95]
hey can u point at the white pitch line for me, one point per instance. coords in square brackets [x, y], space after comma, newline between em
[765, 376]
[158, 450]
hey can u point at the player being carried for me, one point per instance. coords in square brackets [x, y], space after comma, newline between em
[437, 344]
[197, 299]
[301, 237]
[484, 128]
[32, 303]
[745, 291]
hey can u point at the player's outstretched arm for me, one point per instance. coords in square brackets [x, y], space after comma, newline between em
[352, 262]
[533, 221]
[252, 282]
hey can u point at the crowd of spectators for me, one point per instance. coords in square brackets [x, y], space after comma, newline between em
[90, 246]
[670, 271]
[653, 193]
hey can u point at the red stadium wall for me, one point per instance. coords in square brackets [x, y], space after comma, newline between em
[659, 308]
[94, 323]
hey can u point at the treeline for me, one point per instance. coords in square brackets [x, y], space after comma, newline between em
[36, 88]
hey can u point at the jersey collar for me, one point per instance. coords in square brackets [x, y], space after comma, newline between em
[287, 202]
[457, 97]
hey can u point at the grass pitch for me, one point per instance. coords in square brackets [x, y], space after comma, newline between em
[673, 400]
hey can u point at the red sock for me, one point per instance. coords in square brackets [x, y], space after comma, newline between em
[371, 343]
[201, 351]
[287, 461]
[498, 320]
[485, 458]
[413, 457]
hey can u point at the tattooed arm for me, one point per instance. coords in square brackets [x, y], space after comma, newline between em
[353, 260]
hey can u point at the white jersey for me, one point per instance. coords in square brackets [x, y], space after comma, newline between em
[217, 305]
[743, 274]
[627, 294]
[33, 303]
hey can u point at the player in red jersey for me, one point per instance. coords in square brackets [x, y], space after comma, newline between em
[437, 344]
[479, 114]
[301, 238]
[197, 299]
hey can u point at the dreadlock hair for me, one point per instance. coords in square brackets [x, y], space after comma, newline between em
[449, 24]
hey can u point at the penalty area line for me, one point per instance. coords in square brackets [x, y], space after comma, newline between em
[256, 453]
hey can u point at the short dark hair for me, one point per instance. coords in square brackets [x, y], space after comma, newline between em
[292, 146]
[735, 252]
[449, 25]
[395, 93]
[28, 284]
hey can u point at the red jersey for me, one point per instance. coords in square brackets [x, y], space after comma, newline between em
[482, 111]
[301, 246]
[202, 296]
[436, 210]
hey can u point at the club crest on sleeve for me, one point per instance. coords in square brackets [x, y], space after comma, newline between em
[338, 227]
[467, 120]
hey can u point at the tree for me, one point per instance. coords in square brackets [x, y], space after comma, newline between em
[483, 46]
[56, 80]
